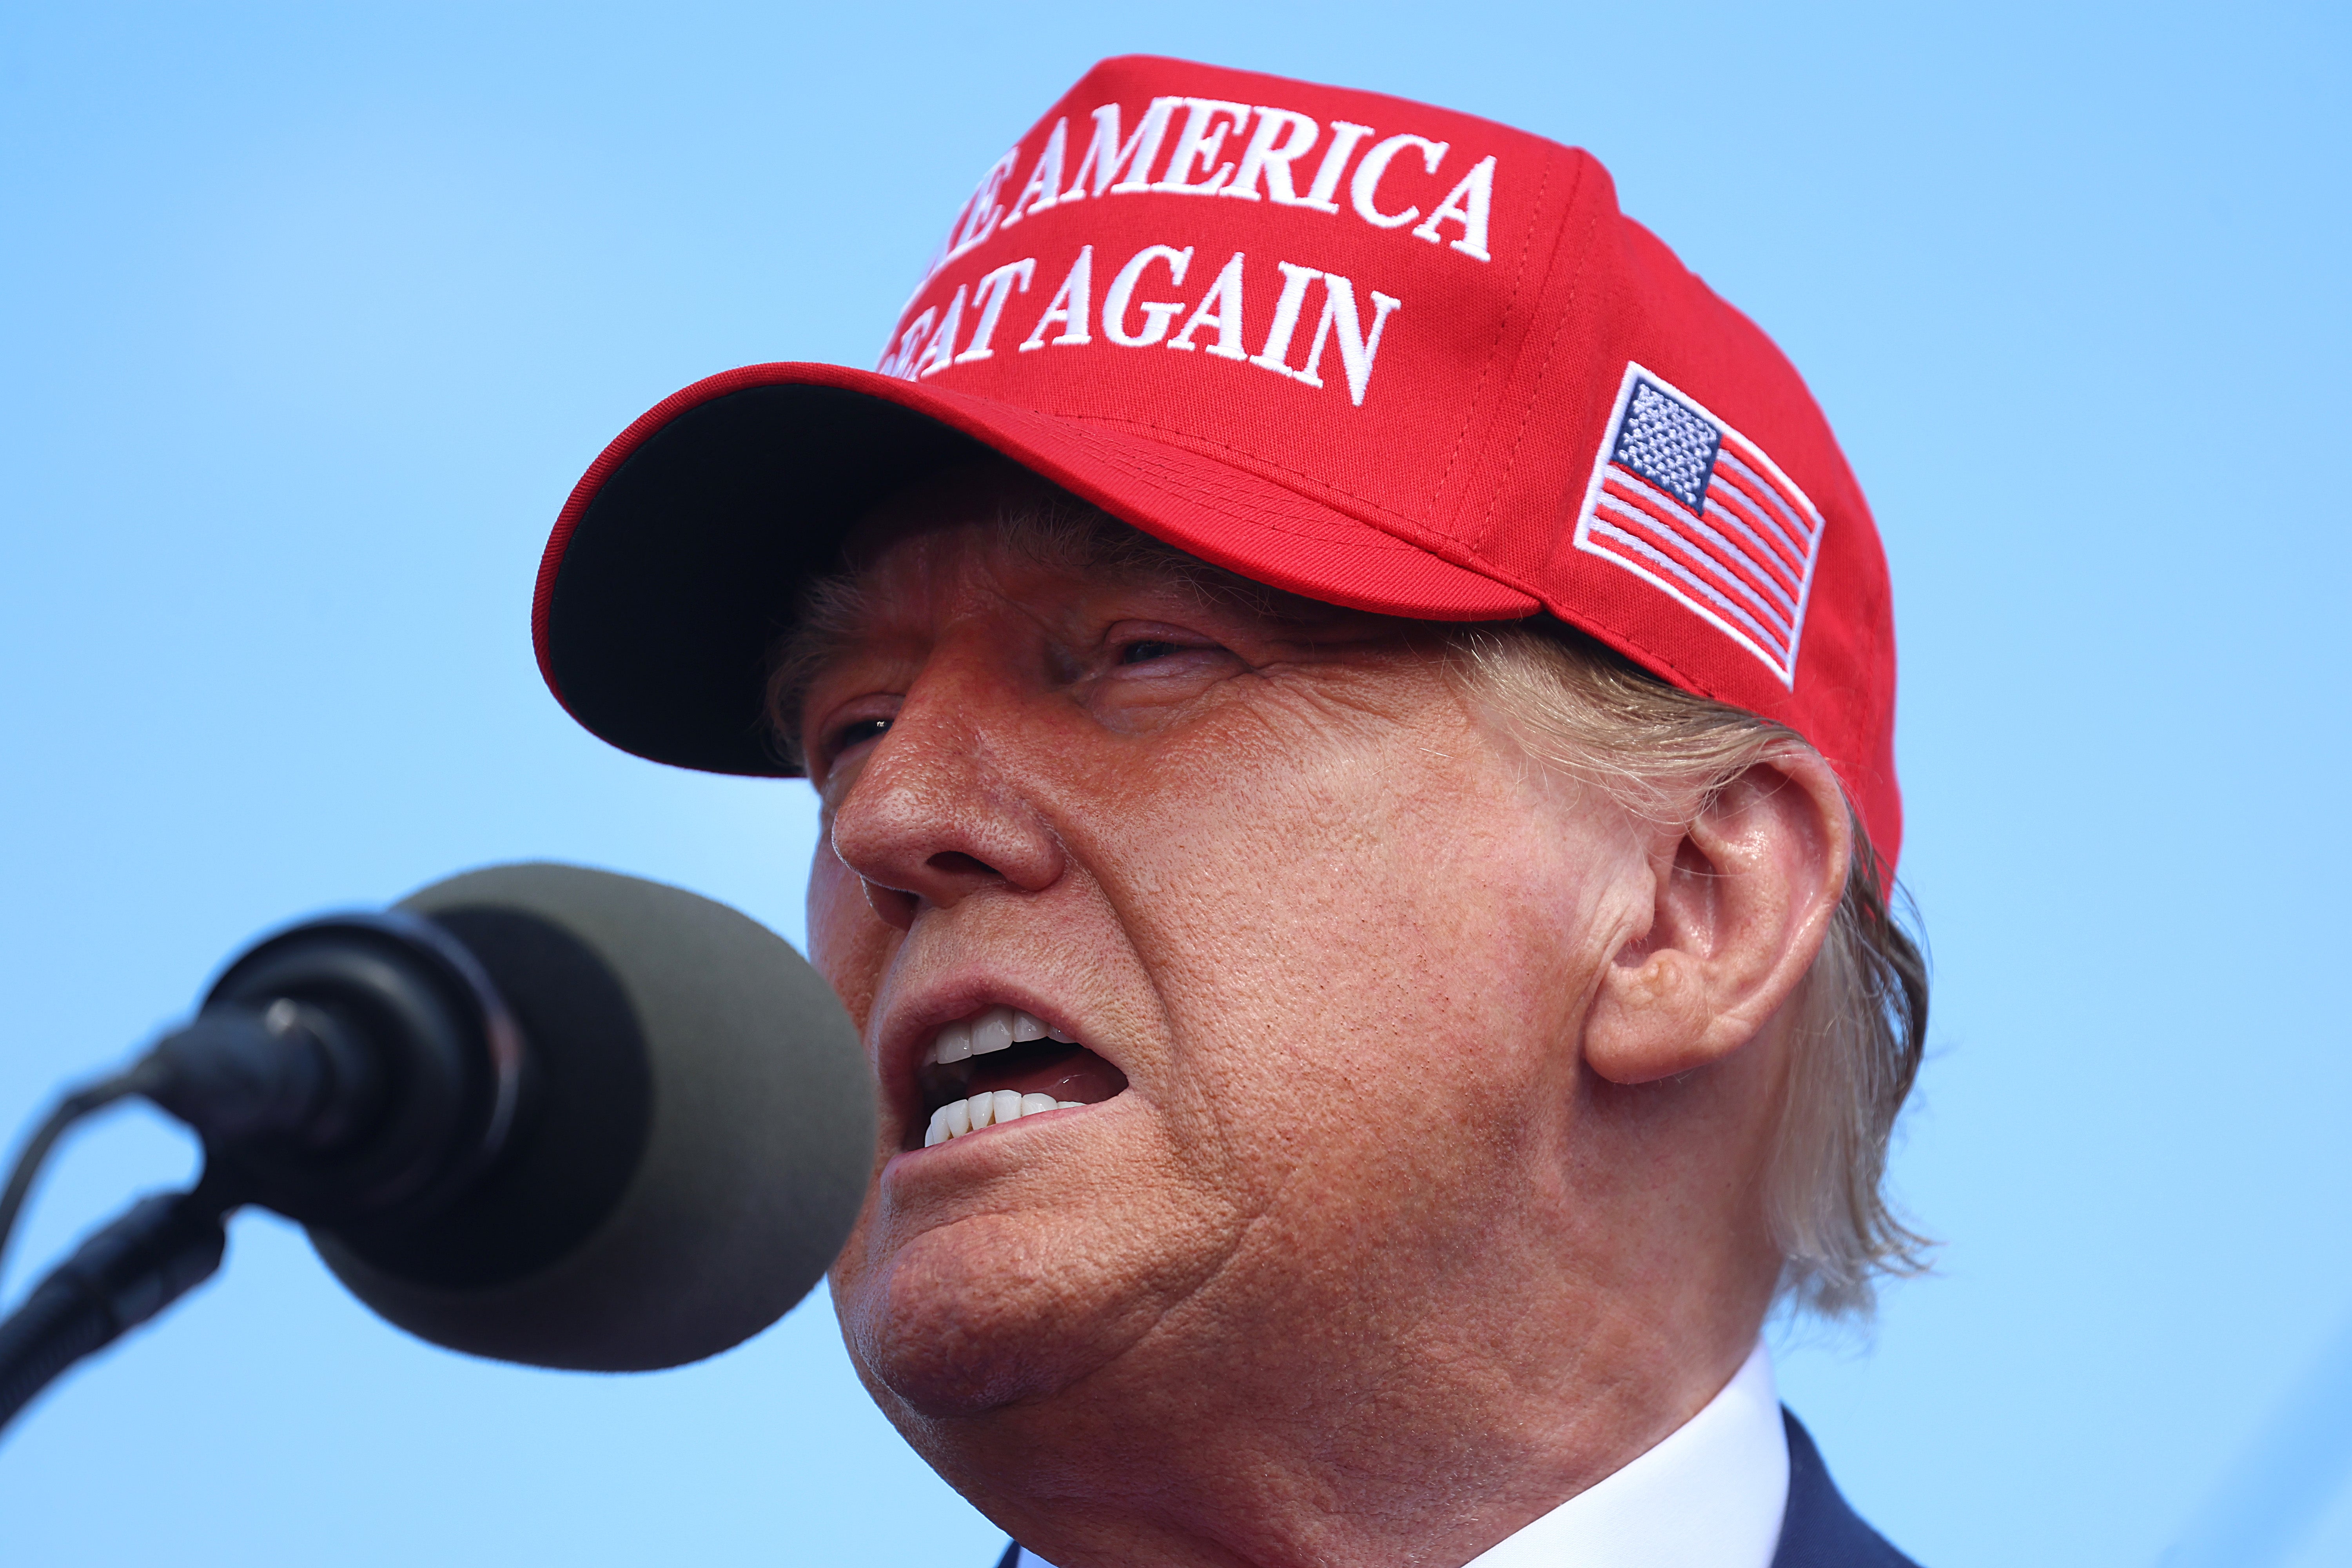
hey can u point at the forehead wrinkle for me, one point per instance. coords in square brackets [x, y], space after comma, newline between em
[1025, 522]
[850, 605]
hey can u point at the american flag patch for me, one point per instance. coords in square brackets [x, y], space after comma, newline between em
[1685, 503]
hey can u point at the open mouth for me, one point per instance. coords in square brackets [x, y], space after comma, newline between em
[1001, 1064]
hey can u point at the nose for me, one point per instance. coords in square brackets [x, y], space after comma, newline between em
[935, 816]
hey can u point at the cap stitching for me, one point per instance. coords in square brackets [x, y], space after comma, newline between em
[1361, 549]
[1367, 501]
[1486, 369]
[1526, 418]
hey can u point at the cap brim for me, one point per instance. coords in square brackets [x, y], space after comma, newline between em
[676, 564]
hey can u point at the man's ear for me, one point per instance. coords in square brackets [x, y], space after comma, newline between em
[1744, 897]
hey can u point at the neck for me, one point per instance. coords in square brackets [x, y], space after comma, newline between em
[1351, 1441]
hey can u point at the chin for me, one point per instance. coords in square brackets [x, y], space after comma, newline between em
[966, 1318]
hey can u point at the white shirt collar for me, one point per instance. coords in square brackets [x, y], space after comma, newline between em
[1709, 1495]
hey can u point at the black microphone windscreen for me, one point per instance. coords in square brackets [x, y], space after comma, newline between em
[696, 1135]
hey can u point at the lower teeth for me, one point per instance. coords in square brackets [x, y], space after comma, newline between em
[959, 1117]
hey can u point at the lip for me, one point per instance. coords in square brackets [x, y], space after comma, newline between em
[908, 1026]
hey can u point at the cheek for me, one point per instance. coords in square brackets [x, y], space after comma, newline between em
[847, 943]
[1363, 940]
[1375, 1015]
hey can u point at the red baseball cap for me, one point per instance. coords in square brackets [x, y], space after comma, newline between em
[1373, 352]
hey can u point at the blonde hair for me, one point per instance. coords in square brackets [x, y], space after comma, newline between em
[1663, 753]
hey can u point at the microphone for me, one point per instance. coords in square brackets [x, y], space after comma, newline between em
[535, 1113]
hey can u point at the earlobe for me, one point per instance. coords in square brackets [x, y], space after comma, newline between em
[1743, 897]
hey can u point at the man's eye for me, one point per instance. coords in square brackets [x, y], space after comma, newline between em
[1145, 651]
[858, 733]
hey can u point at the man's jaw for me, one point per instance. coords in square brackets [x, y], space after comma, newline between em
[1000, 1063]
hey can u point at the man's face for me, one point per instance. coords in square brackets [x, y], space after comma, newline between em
[1322, 937]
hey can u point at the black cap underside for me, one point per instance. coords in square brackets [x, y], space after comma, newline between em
[686, 567]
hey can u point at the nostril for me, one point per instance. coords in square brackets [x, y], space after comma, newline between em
[955, 863]
[895, 907]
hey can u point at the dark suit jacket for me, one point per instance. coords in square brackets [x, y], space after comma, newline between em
[1819, 1530]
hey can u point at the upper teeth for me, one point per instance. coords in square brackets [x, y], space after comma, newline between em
[993, 1030]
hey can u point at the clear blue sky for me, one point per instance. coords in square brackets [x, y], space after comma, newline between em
[312, 314]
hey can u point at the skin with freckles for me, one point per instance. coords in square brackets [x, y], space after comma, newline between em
[1434, 1194]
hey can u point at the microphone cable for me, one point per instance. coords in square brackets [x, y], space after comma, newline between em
[118, 1278]
[75, 1105]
